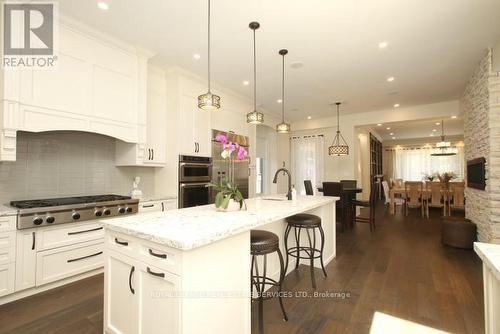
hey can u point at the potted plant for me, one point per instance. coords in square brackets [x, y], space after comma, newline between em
[228, 197]
[429, 177]
[446, 177]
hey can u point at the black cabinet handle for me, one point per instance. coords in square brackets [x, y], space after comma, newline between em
[132, 269]
[195, 147]
[84, 257]
[162, 206]
[123, 243]
[34, 240]
[152, 154]
[155, 274]
[85, 231]
[161, 256]
[148, 206]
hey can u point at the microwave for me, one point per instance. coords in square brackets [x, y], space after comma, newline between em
[195, 169]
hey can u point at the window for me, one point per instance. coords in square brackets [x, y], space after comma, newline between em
[413, 164]
[307, 161]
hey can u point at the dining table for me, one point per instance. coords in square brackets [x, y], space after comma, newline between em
[401, 192]
[349, 195]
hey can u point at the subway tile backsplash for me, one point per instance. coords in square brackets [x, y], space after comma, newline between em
[67, 163]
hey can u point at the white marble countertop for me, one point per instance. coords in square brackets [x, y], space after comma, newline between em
[7, 211]
[490, 254]
[194, 227]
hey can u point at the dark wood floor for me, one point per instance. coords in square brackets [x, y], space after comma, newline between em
[401, 269]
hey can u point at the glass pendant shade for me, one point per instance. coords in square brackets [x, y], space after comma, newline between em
[283, 127]
[255, 117]
[444, 148]
[339, 146]
[209, 101]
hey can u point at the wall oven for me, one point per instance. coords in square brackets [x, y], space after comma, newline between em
[195, 175]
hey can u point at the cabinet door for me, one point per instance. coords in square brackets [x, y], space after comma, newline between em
[159, 306]
[156, 119]
[7, 273]
[186, 130]
[202, 131]
[120, 294]
[26, 245]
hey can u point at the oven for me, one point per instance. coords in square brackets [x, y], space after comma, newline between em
[195, 176]
[195, 169]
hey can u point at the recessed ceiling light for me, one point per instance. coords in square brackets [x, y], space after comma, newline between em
[196, 56]
[279, 100]
[396, 105]
[383, 45]
[390, 79]
[103, 5]
[432, 135]
[453, 116]
[309, 117]
[437, 123]
[391, 134]
[393, 137]
[388, 128]
[246, 82]
[379, 124]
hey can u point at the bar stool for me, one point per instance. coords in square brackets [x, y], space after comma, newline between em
[308, 222]
[261, 244]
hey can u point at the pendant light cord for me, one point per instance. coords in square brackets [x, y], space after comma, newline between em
[208, 58]
[338, 122]
[254, 74]
[283, 91]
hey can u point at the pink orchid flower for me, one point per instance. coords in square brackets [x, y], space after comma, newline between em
[242, 153]
[221, 138]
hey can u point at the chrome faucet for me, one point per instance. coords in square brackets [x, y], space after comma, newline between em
[275, 180]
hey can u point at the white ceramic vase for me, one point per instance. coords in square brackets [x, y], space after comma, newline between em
[231, 207]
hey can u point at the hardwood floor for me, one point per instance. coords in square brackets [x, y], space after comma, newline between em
[401, 270]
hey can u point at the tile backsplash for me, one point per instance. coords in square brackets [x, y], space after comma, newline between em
[67, 163]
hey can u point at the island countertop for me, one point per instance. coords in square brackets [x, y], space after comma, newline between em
[490, 254]
[189, 228]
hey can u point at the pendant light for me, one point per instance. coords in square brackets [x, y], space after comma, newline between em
[444, 148]
[283, 127]
[339, 145]
[209, 101]
[254, 117]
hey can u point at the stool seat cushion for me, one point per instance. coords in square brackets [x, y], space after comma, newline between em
[304, 220]
[263, 241]
[458, 232]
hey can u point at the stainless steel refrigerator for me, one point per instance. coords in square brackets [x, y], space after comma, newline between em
[221, 167]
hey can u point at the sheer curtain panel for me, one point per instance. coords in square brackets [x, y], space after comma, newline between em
[306, 158]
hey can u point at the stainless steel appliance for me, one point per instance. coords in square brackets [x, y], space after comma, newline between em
[51, 211]
[221, 167]
[195, 176]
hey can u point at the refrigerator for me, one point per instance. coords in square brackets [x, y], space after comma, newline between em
[221, 167]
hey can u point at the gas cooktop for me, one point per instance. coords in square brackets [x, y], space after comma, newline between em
[40, 203]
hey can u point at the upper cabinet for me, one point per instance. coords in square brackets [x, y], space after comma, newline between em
[99, 85]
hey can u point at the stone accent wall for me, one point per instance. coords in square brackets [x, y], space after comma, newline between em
[480, 105]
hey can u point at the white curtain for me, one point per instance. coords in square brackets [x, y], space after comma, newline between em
[307, 161]
[413, 164]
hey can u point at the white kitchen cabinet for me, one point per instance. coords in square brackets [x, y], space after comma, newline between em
[157, 206]
[194, 127]
[26, 246]
[7, 275]
[152, 146]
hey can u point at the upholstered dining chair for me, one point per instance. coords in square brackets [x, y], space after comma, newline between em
[414, 197]
[309, 187]
[456, 197]
[434, 197]
[336, 189]
[370, 205]
[349, 183]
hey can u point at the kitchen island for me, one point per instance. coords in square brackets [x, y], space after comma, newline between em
[188, 270]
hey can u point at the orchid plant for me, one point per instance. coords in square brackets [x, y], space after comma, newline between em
[227, 189]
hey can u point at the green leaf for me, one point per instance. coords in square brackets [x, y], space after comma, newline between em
[218, 199]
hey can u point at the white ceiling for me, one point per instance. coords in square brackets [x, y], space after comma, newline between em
[433, 46]
[420, 129]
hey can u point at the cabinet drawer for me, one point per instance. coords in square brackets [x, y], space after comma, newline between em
[68, 234]
[165, 258]
[7, 255]
[170, 204]
[8, 223]
[151, 206]
[7, 239]
[7, 275]
[55, 264]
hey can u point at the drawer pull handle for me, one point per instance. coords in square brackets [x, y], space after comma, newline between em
[85, 231]
[123, 243]
[161, 256]
[148, 205]
[84, 257]
[155, 274]
[130, 280]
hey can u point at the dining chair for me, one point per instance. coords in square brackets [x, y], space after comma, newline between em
[414, 196]
[370, 205]
[336, 189]
[434, 197]
[349, 183]
[399, 183]
[456, 197]
[387, 195]
[309, 187]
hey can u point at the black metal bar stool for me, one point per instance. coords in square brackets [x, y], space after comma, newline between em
[261, 244]
[309, 223]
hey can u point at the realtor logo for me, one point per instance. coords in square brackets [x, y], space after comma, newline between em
[29, 35]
